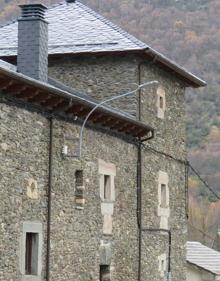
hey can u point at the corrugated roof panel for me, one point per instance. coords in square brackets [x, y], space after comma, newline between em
[203, 256]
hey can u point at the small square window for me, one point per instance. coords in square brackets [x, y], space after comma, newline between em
[107, 187]
[104, 273]
[31, 253]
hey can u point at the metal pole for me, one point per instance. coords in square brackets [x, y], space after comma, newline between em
[105, 101]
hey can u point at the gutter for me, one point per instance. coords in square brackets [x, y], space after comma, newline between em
[191, 79]
[72, 96]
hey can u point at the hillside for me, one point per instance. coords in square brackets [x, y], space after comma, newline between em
[188, 32]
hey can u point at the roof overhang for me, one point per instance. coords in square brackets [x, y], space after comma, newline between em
[194, 265]
[189, 79]
[56, 100]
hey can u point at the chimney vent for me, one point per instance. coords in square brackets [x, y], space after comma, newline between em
[32, 11]
[32, 59]
[70, 1]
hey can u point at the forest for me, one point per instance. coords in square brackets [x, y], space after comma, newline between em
[187, 32]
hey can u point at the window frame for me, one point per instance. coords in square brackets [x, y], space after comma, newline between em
[161, 100]
[34, 228]
[163, 211]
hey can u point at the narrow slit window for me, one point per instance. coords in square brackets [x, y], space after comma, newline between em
[107, 187]
[163, 189]
[79, 178]
[162, 264]
[104, 273]
[161, 102]
[31, 253]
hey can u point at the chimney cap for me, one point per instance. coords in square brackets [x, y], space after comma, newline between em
[33, 11]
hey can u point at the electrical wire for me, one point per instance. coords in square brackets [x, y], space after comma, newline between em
[154, 150]
[203, 232]
[204, 182]
[185, 162]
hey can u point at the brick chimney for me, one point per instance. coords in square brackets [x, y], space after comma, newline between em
[32, 59]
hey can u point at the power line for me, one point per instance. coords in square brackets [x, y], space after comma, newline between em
[204, 182]
[185, 162]
[203, 232]
[154, 150]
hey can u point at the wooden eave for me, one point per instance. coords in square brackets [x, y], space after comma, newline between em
[35, 92]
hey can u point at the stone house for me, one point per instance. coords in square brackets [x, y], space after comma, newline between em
[118, 212]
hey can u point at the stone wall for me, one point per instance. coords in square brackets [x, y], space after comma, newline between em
[76, 234]
[101, 77]
[23, 166]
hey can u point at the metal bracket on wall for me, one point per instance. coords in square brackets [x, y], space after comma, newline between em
[70, 147]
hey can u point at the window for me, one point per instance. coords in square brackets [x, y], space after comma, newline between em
[31, 253]
[162, 267]
[104, 273]
[163, 189]
[79, 190]
[79, 178]
[161, 103]
[163, 200]
[107, 187]
[107, 173]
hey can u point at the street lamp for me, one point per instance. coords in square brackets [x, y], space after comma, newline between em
[105, 101]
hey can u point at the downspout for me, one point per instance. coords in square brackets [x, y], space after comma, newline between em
[139, 207]
[49, 199]
[169, 275]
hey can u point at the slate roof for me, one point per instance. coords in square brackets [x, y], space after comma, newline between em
[203, 257]
[74, 28]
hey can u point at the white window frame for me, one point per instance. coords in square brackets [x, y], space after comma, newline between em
[163, 212]
[107, 204]
[161, 95]
[107, 169]
[31, 227]
[162, 266]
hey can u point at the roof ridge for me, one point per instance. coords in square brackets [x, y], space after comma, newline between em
[111, 24]
[8, 23]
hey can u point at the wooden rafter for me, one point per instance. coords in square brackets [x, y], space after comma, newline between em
[53, 101]
[5, 83]
[15, 89]
[75, 108]
[40, 98]
[28, 93]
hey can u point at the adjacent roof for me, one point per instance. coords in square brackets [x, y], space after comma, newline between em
[74, 29]
[58, 98]
[203, 257]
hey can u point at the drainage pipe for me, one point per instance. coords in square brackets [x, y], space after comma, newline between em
[169, 275]
[49, 199]
[139, 208]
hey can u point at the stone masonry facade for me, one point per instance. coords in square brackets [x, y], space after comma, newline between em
[77, 233]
